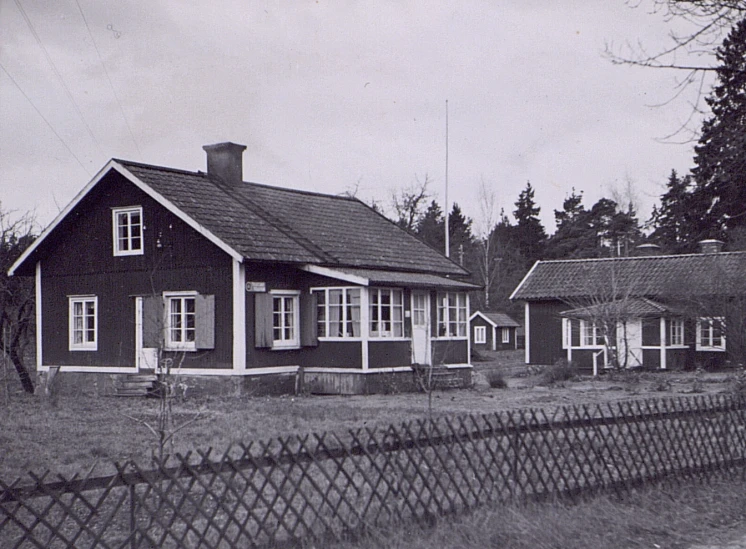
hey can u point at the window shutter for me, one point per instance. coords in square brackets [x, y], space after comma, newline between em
[263, 321]
[205, 309]
[152, 321]
[574, 326]
[308, 328]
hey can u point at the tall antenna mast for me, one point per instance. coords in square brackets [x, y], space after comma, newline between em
[448, 239]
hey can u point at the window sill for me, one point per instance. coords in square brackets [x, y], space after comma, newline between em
[293, 347]
[83, 349]
[711, 349]
[124, 254]
[180, 349]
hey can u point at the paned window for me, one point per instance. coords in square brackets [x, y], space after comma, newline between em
[83, 323]
[591, 335]
[181, 322]
[452, 314]
[284, 320]
[711, 334]
[676, 332]
[480, 334]
[386, 313]
[128, 231]
[338, 312]
[506, 335]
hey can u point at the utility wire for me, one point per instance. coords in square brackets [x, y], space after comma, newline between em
[111, 85]
[75, 156]
[56, 72]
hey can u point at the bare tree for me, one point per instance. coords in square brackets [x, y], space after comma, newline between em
[488, 261]
[410, 202]
[16, 294]
[704, 24]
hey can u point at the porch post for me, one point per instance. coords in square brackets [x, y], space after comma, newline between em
[663, 342]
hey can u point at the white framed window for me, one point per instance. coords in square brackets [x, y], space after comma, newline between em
[676, 332]
[711, 334]
[480, 334]
[506, 335]
[181, 321]
[127, 231]
[591, 334]
[285, 328]
[338, 312]
[419, 309]
[386, 312]
[452, 314]
[83, 327]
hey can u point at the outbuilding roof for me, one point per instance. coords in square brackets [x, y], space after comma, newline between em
[497, 319]
[646, 276]
[263, 223]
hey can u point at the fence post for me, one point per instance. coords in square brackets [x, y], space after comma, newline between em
[133, 517]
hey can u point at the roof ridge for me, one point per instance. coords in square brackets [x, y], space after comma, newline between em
[161, 168]
[279, 224]
[639, 257]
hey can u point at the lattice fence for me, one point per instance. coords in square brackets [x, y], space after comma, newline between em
[331, 486]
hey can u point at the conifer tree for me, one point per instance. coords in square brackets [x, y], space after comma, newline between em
[719, 198]
[529, 234]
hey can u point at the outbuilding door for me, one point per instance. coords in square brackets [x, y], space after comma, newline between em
[420, 328]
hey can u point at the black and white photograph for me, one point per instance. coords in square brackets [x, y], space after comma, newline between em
[384, 274]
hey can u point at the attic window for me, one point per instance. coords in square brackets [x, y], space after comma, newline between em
[127, 231]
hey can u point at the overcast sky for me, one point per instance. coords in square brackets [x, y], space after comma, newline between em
[333, 95]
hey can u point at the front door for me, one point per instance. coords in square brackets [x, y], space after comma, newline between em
[420, 328]
[629, 343]
[146, 358]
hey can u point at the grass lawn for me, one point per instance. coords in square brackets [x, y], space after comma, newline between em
[90, 432]
[84, 434]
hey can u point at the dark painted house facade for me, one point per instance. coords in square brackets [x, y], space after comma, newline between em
[493, 331]
[652, 311]
[151, 266]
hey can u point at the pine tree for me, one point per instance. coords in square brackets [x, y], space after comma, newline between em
[530, 236]
[431, 227]
[672, 222]
[719, 203]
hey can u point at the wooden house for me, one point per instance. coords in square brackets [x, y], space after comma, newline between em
[493, 331]
[217, 278]
[655, 311]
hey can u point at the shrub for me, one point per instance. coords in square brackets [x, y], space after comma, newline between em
[561, 371]
[496, 379]
[738, 382]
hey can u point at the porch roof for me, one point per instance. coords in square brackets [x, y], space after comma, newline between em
[374, 277]
[629, 308]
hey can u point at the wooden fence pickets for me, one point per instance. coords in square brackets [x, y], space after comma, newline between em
[283, 491]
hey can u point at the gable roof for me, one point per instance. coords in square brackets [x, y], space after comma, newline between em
[496, 319]
[646, 276]
[635, 307]
[262, 223]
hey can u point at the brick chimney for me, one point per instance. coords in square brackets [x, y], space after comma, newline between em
[710, 246]
[225, 162]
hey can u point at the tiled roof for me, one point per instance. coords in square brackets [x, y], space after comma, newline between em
[276, 224]
[650, 276]
[502, 320]
[635, 307]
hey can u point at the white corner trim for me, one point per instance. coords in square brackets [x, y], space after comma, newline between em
[336, 274]
[239, 316]
[114, 165]
[37, 306]
[526, 332]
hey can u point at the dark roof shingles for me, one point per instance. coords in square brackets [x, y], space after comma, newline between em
[672, 275]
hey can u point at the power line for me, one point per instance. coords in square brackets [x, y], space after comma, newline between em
[56, 72]
[45, 120]
[111, 85]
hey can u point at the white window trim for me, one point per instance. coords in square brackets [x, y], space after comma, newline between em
[671, 344]
[387, 336]
[345, 289]
[86, 345]
[115, 231]
[480, 335]
[505, 335]
[447, 318]
[710, 320]
[584, 326]
[294, 343]
[169, 345]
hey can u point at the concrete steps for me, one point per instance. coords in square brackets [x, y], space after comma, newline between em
[135, 385]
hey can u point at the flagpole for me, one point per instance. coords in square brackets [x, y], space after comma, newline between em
[448, 238]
